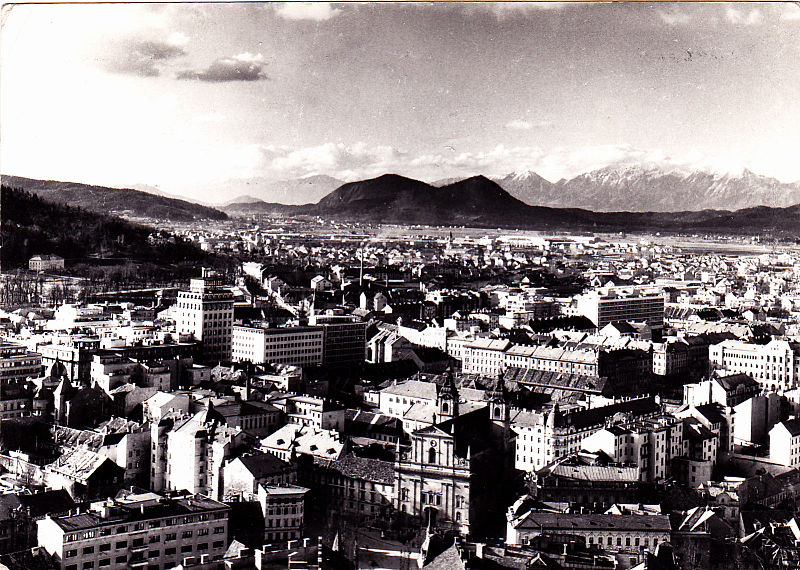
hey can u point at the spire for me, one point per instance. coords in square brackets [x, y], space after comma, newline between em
[499, 393]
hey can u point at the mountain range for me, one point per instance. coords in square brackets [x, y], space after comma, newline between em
[106, 200]
[481, 202]
[644, 189]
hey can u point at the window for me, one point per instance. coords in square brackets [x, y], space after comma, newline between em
[105, 562]
[186, 534]
[170, 536]
[88, 564]
[122, 544]
[88, 550]
[169, 551]
[105, 547]
[155, 538]
[218, 544]
[432, 455]
[70, 553]
[154, 554]
[186, 548]
[121, 559]
[219, 530]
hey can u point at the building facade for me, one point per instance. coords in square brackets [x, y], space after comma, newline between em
[206, 311]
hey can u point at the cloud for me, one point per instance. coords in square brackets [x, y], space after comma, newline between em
[736, 16]
[315, 11]
[242, 67]
[336, 159]
[790, 12]
[675, 17]
[143, 57]
[522, 125]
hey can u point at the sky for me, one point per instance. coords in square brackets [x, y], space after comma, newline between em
[185, 97]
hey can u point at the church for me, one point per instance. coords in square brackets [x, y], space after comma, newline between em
[455, 474]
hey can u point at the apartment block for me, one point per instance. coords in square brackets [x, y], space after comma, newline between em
[776, 365]
[18, 363]
[138, 531]
[632, 304]
[295, 346]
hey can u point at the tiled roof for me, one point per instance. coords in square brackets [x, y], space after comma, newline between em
[574, 522]
[78, 464]
[355, 467]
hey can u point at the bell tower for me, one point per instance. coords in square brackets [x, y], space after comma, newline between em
[447, 398]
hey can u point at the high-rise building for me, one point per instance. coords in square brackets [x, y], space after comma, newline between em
[344, 339]
[206, 311]
[633, 304]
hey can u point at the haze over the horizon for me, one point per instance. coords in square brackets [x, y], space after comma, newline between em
[187, 96]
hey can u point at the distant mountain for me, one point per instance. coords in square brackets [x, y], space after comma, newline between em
[643, 189]
[480, 202]
[243, 199]
[305, 190]
[32, 225]
[114, 200]
[531, 188]
[393, 198]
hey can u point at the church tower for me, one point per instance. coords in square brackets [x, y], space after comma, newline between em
[499, 411]
[447, 398]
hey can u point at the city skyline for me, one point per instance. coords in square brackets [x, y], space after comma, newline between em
[185, 97]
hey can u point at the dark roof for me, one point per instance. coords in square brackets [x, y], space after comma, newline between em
[264, 464]
[733, 381]
[46, 502]
[712, 412]
[568, 522]
[554, 380]
[356, 467]
[36, 557]
[596, 416]
[793, 426]
[172, 507]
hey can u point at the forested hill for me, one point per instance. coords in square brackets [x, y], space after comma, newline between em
[114, 200]
[31, 225]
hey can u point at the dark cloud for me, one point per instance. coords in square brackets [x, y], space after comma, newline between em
[144, 58]
[229, 69]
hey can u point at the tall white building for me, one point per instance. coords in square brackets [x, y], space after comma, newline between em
[206, 311]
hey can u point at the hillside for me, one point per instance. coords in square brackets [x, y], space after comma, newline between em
[114, 200]
[32, 225]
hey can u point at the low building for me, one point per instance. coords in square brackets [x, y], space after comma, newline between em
[784, 443]
[352, 485]
[46, 262]
[244, 474]
[616, 533]
[284, 512]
